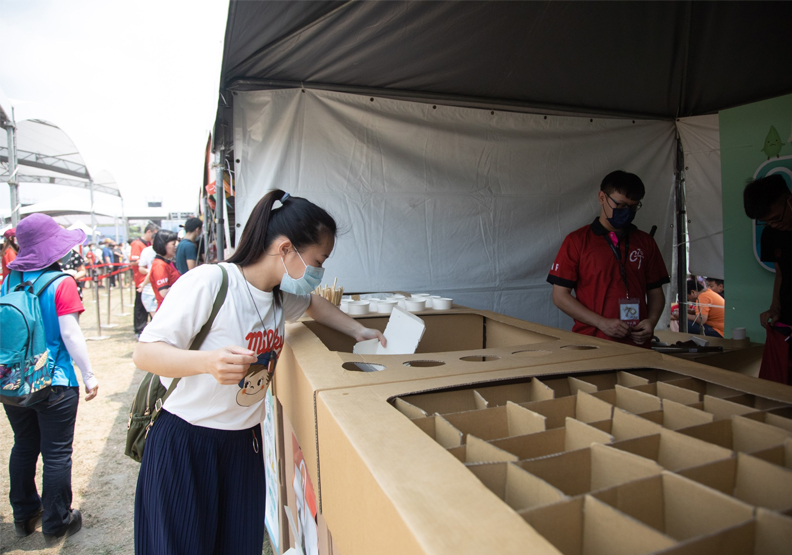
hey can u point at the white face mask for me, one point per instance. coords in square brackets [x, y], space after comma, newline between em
[304, 285]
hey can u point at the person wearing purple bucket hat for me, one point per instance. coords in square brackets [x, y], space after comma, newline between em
[47, 427]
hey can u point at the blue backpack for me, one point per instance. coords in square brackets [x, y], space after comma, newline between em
[26, 365]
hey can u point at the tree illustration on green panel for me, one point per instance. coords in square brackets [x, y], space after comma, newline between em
[773, 143]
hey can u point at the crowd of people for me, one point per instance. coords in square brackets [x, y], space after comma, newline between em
[203, 448]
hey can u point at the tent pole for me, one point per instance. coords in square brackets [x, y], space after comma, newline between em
[13, 184]
[125, 221]
[220, 197]
[205, 229]
[681, 235]
[93, 215]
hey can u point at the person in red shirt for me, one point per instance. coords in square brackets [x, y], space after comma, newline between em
[163, 273]
[615, 270]
[140, 314]
[9, 250]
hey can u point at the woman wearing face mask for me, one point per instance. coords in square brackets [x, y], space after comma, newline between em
[615, 269]
[201, 484]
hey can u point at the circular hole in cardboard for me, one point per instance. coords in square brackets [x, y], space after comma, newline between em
[579, 347]
[479, 358]
[424, 363]
[532, 352]
[362, 367]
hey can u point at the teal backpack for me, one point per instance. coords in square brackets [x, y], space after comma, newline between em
[26, 365]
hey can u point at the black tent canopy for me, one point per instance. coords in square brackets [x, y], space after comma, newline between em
[643, 59]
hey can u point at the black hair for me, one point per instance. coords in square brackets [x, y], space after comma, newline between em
[760, 195]
[715, 281]
[627, 184]
[162, 238]
[151, 227]
[693, 285]
[297, 219]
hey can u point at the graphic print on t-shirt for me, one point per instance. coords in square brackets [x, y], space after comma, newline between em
[253, 387]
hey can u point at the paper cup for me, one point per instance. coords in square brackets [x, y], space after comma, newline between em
[386, 307]
[356, 308]
[415, 304]
[399, 299]
[442, 303]
[344, 306]
[738, 333]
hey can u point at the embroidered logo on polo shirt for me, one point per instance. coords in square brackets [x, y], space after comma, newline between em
[637, 256]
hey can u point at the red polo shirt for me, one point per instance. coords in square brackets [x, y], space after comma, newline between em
[162, 274]
[587, 264]
[134, 255]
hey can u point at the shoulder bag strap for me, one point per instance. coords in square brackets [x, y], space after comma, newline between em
[199, 339]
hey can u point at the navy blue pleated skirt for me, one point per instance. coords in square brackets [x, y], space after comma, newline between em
[200, 491]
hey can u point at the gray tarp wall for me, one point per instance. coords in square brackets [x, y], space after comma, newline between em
[463, 202]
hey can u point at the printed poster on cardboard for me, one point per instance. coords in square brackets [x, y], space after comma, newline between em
[271, 474]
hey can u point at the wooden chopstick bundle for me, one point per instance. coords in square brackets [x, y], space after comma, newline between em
[330, 293]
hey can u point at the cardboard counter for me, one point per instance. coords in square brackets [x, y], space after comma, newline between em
[741, 356]
[588, 456]
[456, 342]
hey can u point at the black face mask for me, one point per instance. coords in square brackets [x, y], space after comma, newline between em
[66, 258]
[621, 218]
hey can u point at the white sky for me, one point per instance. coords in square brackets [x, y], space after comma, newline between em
[133, 83]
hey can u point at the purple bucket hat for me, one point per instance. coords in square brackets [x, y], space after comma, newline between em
[42, 242]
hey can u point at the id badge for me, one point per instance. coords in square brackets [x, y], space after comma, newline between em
[629, 311]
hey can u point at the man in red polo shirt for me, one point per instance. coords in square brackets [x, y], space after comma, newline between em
[616, 270]
[140, 315]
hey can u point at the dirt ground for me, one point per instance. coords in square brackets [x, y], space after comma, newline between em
[103, 478]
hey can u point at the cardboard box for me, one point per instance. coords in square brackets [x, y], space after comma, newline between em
[749, 479]
[674, 451]
[388, 487]
[587, 526]
[739, 434]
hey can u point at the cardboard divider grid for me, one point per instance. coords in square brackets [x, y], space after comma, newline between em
[749, 479]
[674, 451]
[780, 454]
[440, 464]
[676, 506]
[739, 434]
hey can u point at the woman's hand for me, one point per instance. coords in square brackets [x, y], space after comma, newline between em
[91, 393]
[229, 364]
[368, 333]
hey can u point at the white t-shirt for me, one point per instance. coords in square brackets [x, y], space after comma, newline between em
[199, 399]
[147, 256]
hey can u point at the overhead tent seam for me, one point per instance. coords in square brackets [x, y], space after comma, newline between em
[454, 101]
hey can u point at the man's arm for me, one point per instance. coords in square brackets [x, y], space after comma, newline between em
[569, 305]
[769, 317]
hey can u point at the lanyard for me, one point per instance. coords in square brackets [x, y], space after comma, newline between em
[617, 253]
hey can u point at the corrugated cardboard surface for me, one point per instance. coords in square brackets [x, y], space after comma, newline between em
[388, 487]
